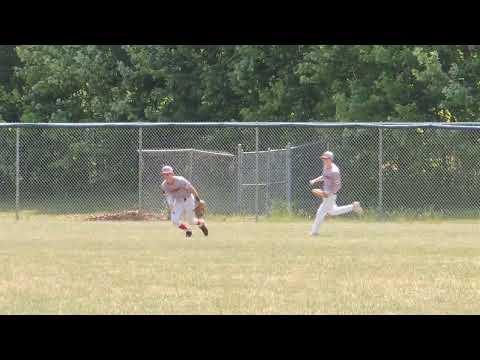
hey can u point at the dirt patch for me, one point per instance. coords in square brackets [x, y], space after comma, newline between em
[129, 215]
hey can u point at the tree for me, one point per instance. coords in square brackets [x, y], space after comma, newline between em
[9, 96]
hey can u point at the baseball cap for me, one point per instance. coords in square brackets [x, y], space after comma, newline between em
[167, 169]
[327, 155]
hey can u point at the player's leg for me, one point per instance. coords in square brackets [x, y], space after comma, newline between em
[357, 208]
[339, 210]
[189, 205]
[176, 215]
[190, 214]
[324, 207]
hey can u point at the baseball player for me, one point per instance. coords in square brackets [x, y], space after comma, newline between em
[332, 183]
[181, 197]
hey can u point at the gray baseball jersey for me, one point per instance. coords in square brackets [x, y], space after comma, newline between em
[332, 181]
[179, 189]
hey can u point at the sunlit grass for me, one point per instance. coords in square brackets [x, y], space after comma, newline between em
[65, 265]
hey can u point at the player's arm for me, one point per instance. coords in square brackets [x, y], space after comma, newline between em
[337, 182]
[318, 179]
[168, 198]
[194, 192]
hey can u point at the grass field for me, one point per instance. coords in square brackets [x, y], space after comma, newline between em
[64, 265]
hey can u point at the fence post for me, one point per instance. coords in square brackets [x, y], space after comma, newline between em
[380, 172]
[190, 166]
[257, 180]
[268, 181]
[288, 181]
[140, 170]
[17, 174]
[239, 177]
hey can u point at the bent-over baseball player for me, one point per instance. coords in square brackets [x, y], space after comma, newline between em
[181, 197]
[332, 183]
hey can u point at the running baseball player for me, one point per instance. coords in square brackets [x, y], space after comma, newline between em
[332, 183]
[181, 197]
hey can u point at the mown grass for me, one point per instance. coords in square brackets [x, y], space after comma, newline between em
[65, 265]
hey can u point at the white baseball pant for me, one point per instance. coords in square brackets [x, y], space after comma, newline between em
[329, 206]
[182, 207]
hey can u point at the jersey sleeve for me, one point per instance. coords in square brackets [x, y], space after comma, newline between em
[185, 184]
[188, 186]
[336, 181]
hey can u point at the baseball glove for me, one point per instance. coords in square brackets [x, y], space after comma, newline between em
[319, 193]
[200, 207]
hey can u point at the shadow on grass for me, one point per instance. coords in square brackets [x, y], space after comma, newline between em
[74, 206]
[105, 204]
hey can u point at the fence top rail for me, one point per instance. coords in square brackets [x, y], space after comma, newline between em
[160, 151]
[313, 124]
[265, 151]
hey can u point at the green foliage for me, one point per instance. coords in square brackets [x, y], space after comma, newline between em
[69, 83]
[9, 95]
[83, 83]
[250, 82]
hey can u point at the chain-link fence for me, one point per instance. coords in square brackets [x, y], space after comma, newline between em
[240, 168]
[7, 169]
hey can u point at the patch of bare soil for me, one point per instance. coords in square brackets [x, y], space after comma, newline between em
[128, 215]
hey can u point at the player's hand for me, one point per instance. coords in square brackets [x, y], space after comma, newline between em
[320, 193]
[199, 209]
[312, 182]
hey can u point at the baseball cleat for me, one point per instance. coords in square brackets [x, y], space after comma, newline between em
[357, 208]
[188, 233]
[204, 229]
